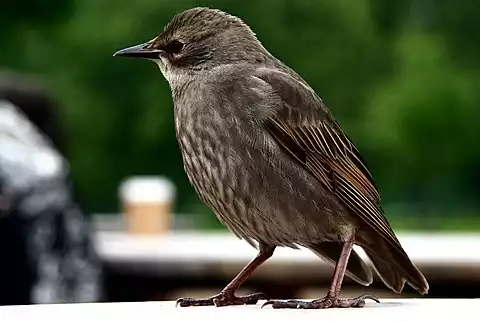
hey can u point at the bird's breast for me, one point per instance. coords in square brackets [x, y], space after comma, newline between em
[212, 166]
[254, 189]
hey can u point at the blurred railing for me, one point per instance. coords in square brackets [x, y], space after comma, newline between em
[188, 262]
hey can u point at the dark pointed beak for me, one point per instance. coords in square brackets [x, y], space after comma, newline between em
[140, 51]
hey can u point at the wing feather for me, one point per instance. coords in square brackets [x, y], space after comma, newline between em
[307, 131]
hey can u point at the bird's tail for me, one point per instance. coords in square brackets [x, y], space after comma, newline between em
[393, 265]
[357, 270]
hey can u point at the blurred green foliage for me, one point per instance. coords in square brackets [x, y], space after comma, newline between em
[402, 77]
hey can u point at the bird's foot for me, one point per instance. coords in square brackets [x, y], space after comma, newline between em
[222, 299]
[324, 303]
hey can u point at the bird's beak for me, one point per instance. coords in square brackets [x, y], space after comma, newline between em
[140, 51]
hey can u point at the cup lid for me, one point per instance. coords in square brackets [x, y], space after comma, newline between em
[147, 189]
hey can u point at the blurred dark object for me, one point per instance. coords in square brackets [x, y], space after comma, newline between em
[29, 95]
[45, 241]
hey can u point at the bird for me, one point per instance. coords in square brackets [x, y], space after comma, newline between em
[266, 155]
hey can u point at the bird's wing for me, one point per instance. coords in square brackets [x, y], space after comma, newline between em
[307, 131]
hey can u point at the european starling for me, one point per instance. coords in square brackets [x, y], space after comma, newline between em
[266, 155]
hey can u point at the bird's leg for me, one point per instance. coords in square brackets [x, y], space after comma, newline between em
[331, 300]
[227, 295]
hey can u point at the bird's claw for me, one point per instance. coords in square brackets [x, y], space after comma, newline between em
[222, 299]
[290, 304]
[327, 302]
[368, 297]
[186, 302]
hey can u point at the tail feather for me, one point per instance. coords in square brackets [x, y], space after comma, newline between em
[357, 270]
[393, 265]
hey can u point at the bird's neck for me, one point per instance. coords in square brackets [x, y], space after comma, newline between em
[178, 78]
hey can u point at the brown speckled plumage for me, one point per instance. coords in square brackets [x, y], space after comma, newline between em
[266, 155]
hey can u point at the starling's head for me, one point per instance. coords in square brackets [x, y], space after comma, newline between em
[198, 39]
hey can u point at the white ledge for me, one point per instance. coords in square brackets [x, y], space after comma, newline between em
[452, 256]
[388, 309]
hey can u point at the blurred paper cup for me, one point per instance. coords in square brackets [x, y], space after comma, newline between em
[148, 204]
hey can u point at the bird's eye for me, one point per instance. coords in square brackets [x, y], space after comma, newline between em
[174, 46]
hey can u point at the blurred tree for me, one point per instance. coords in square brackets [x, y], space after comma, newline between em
[401, 76]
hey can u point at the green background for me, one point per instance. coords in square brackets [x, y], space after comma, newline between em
[402, 77]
